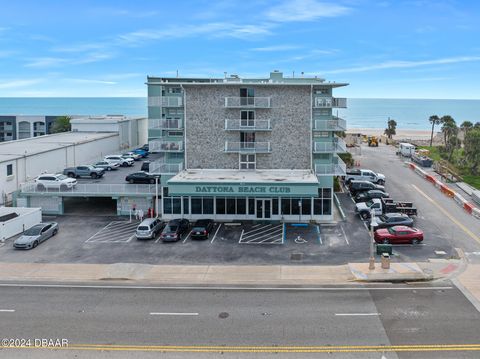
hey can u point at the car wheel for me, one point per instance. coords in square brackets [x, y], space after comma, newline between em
[385, 241]
[63, 187]
[54, 232]
[124, 164]
[94, 175]
[381, 182]
[41, 187]
[71, 175]
[35, 244]
[365, 215]
[109, 168]
[152, 181]
[131, 181]
[415, 241]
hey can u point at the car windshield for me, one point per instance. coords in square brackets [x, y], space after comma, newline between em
[34, 231]
[170, 229]
[62, 177]
[369, 203]
[198, 228]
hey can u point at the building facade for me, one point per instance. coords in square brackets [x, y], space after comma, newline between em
[20, 127]
[232, 148]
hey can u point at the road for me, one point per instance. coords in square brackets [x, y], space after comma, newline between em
[393, 321]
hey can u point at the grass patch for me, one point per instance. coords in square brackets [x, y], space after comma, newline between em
[473, 181]
[434, 152]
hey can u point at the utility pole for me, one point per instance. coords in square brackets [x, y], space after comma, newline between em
[373, 224]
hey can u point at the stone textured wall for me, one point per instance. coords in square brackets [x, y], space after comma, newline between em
[290, 118]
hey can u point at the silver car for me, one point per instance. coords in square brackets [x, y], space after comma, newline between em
[35, 235]
[149, 228]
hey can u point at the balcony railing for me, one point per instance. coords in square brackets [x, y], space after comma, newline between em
[164, 168]
[247, 125]
[335, 124]
[166, 124]
[93, 189]
[165, 146]
[249, 102]
[165, 101]
[336, 145]
[338, 168]
[248, 147]
[329, 102]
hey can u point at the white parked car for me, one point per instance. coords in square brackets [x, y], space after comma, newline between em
[55, 181]
[107, 165]
[133, 155]
[124, 162]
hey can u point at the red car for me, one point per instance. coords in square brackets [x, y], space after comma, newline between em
[398, 235]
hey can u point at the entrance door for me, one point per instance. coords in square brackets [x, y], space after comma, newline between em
[264, 208]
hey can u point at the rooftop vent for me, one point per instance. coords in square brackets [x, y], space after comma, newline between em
[276, 75]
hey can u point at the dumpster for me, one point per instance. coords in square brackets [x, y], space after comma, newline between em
[384, 248]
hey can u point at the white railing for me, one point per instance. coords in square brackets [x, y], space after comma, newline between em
[254, 147]
[328, 102]
[165, 146]
[246, 125]
[165, 168]
[167, 124]
[165, 101]
[331, 169]
[335, 124]
[336, 145]
[90, 188]
[258, 102]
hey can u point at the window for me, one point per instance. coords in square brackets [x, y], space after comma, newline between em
[251, 206]
[185, 206]
[230, 205]
[247, 136]
[286, 209]
[175, 133]
[174, 90]
[196, 205]
[220, 202]
[274, 206]
[165, 191]
[306, 206]
[9, 170]
[177, 209]
[167, 205]
[208, 205]
[321, 134]
[295, 206]
[323, 91]
[247, 118]
[247, 161]
[247, 96]
[241, 207]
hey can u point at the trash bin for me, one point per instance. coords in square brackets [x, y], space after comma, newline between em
[384, 248]
[385, 261]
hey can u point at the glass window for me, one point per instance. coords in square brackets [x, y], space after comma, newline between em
[247, 161]
[207, 205]
[165, 191]
[167, 205]
[274, 206]
[177, 209]
[196, 205]
[241, 206]
[251, 206]
[317, 206]
[286, 206]
[327, 193]
[230, 205]
[295, 206]
[9, 170]
[327, 206]
[185, 205]
[220, 202]
[306, 206]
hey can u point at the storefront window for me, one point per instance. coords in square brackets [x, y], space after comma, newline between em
[306, 206]
[185, 205]
[208, 205]
[251, 206]
[295, 206]
[327, 206]
[274, 206]
[317, 206]
[230, 205]
[177, 209]
[196, 205]
[167, 205]
[241, 208]
[220, 201]
[286, 206]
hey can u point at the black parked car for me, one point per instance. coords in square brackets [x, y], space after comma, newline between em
[174, 229]
[202, 228]
[388, 220]
[362, 186]
[368, 195]
[141, 177]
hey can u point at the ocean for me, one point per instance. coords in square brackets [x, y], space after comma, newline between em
[361, 113]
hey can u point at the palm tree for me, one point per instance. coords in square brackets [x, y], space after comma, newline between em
[448, 128]
[466, 126]
[434, 120]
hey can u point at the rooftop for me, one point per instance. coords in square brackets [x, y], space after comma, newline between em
[104, 118]
[11, 150]
[276, 78]
[232, 176]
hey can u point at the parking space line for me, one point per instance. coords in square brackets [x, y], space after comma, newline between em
[318, 234]
[272, 242]
[344, 235]
[257, 229]
[114, 232]
[255, 226]
[273, 233]
[157, 240]
[188, 235]
[215, 235]
[241, 236]
[284, 234]
[273, 230]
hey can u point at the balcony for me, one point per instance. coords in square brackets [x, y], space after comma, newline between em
[337, 145]
[335, 124]
[165, 146]
[248, 147]
[248, 102]
[247, 125]
[165, 101]
[164, 168]
[338, 168]
[166, 124]
[329, 102]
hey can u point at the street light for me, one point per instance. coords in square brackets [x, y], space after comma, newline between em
[156, 196]
[373, 224]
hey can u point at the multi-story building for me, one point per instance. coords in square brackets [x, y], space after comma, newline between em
[20, 127]
[237, 148]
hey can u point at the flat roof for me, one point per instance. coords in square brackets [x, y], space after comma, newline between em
[11, 150]
[232, 176]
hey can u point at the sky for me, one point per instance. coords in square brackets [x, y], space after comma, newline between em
[383, 49]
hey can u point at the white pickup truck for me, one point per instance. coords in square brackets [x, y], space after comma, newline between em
[364, 175]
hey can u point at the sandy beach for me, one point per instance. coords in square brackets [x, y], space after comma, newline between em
[401, 133]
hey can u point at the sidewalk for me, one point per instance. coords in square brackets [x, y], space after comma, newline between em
[221, 275]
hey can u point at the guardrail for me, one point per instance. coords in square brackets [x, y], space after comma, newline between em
[165, 146]
[254, 102]
[331, 169]
[165, 101]
[165, 168]
[90, 189]
[336, 145]
[247, 125]
[248, 147]
[335, 124]
[329, 102]
[167, 124]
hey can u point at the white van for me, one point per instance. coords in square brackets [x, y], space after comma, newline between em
[406, 149]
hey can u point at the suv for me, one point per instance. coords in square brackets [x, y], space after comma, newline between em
[174, 230]
[107, 165]
[56, 181]
[124, 162]
[368, 195]
[133, 155]
[201, 229]
[388, 220]
[360, 186]
[149, 228]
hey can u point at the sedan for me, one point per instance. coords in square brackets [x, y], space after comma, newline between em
[35, 235]
[368, 195]
[398, 235]
[174, 229]
[106, 165]
[202, 228]
[135, 156]
[393, 219]
[141, 177]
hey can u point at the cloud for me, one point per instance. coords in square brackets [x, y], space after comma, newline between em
[275, 48]
[91, 81]
[404, 64]
[305, 10]
[11, 84]
[7, 53]
[46, 62]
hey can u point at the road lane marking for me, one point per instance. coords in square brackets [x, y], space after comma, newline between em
[215, 235]
[179, 314]
[445, 212]
[344, 235]
[7, 310]
[356, 314]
